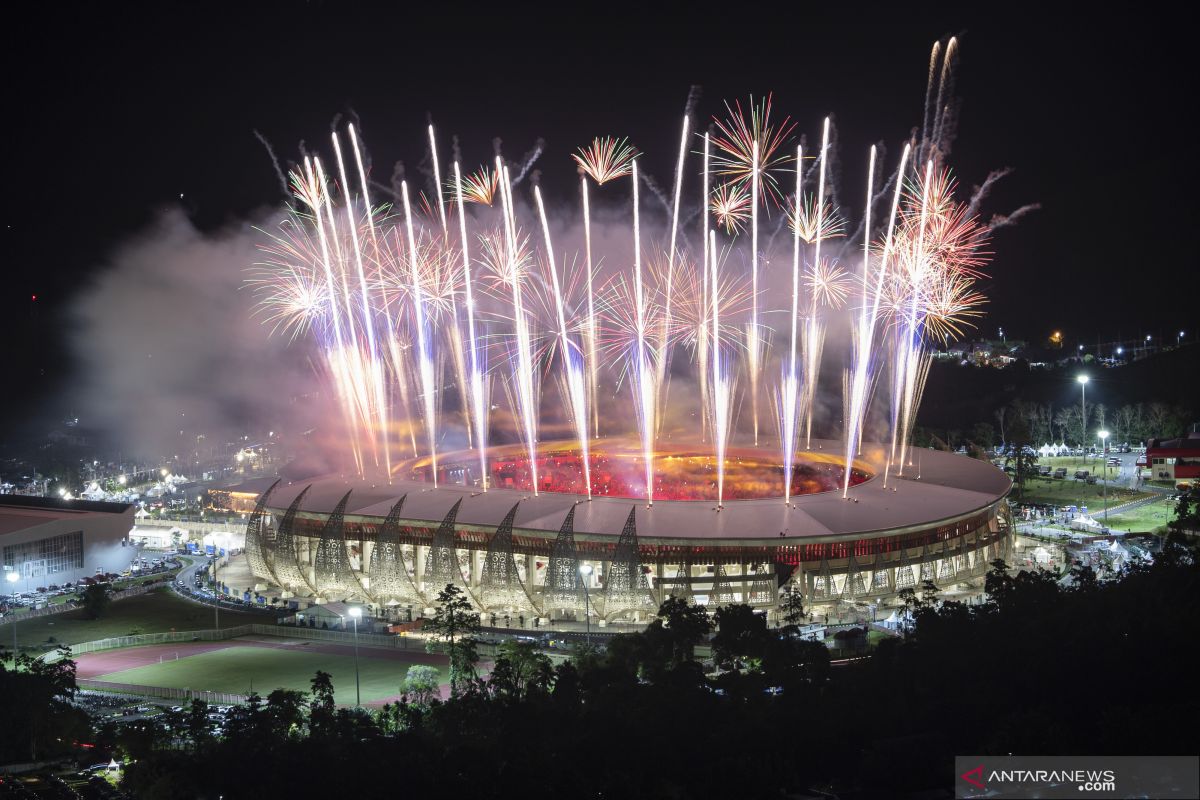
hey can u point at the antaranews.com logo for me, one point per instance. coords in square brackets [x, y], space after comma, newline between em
[1076, 776]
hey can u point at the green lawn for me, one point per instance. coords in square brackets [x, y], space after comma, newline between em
[1144, 519]
[153, 612]
[1067, 491]
[1073, 463]
[239, 669]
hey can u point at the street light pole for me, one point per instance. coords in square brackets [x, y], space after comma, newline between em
[586, 570]
[1104, 451]
[216, 595]
[1083, 382]
[355, 613]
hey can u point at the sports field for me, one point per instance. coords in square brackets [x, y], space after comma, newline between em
[260, 664]
[154, 612]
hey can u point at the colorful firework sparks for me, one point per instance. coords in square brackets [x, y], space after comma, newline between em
[828, 284]
[479, 187]
[690, 314]
[291, 295]
[606, 158]
[502, 266]
[805, 221]
[393, 302]
[439, 273]
[730, 204]
[735, 140]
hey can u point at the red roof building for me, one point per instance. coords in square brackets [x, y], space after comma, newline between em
[1174, 459]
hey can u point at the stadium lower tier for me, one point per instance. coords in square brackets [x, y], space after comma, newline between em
[391, 559]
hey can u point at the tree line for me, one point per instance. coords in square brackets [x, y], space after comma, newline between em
[700, 703]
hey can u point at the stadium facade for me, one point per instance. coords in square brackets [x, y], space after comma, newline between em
[513, 552]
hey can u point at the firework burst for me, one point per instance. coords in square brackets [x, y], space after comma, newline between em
[829, 285]
[730, 204]
[735, 141]
[809, 223]
[606, 158]
[479, 187]
[389, 301]
[292, 298]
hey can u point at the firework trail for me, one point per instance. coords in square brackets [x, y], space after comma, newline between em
[589, 328]
[315, 193]
[910, 361]
[864, 331]
[721, 389]
[454, 331]
[374, 368]
[702, 353]
[754, 351]
[283, 182]
[813, 340]
[643, 367]
[378, 293]
[790, 393]
[524, 373]
[572, 358]
[478, 392]
[664, 347]
[437, 177]
[424, 355]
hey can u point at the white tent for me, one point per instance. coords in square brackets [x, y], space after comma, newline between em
[1086, 523]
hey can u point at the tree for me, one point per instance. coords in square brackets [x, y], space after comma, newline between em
[520, 670]
[1187, 513]
[96, 600]
[1059, 423]
[684, 626]
[421, 685]
[321, 707]
[285, 713]
[1019, 452]
[456, 624]
[1001, 412]
[983, 435]
[791, 606]
[199, 727]
[740, 638]
[1123, 423]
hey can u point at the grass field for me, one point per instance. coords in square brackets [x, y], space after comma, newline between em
[1144, 519]
[153, 612]
[1067, 491]
[240, 668]
[1093, 464]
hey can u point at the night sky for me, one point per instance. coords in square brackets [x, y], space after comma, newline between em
[115, 112]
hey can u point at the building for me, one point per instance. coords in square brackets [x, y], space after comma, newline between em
[47, 541]
[239, 497]
[555, 554]
[1174, 459]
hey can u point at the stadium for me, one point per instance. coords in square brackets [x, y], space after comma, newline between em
[516, 552]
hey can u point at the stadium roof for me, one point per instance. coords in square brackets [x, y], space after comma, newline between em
[945, 487]
[18, 512]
